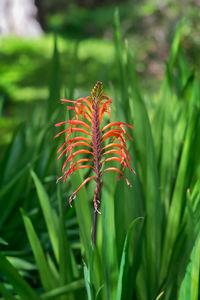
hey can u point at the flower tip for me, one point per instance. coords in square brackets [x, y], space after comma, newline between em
[70, 201]
[134, 171]
[71, 198]
[58, 179]
[96, 210]
[128, 182]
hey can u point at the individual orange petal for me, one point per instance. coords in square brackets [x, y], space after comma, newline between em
[80, 112]
[115, 131]
[118, 146]
[79, 138]
[104, 107]
[70, 158]
[71, 146]
[121, 174]
[73, 196]
[86, 101]
[112, 159]
[73, 130]
[116, 124]
[66, 100]
[74, 169]
[74, 122]
[112, 151]
[76, 163]
[88, 109]
[84, 107]
[121, 159]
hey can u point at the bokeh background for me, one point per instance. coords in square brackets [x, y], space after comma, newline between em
[84, 29]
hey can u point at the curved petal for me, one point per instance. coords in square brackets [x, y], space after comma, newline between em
[74, 122]
[118, 146]
[115, 131]
[79, 138]
[121, 174]
[79, 162]
[73, 196]
[70, 171]
[116, 124]
[71, 146]
[73, 130]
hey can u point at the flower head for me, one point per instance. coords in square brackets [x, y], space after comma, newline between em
[88, 114]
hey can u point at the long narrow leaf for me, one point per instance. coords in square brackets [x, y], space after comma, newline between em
[124, 258]
[6, 294]
[76, 285]
[178, 196]
[44, 271]
[18, 283]
[189, 289]
[49, 213]
[149, 177]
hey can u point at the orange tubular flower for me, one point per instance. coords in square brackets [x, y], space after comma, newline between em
[88, 114]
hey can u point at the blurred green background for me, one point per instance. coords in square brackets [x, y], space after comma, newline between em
[86, 27]
[146, 53]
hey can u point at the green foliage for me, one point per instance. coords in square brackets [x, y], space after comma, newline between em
[46, 250]
[190, 285]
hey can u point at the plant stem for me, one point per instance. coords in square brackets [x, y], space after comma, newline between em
[94, 230]
[96, 139]
[96, 212]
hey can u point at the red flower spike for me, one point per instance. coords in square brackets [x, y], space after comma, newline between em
[88, 114]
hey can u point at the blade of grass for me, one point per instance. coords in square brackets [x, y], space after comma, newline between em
[120, 61]
[189, 289]
[178, 198]
[109, 250]
[167, 144]
[3, 242]
[54, 87]
[20, 263]
[124, 258]
[89, 288]
[72, 83]
[147, 167]
[43, 268]
[18, 283]
[83, 213]
[7, 209]
[12, 154]
[165, 92]
[68, 288]
[5, 293]
[49, 213]
[187, 234]
[176, 44]
[99, 293]
[65, 264]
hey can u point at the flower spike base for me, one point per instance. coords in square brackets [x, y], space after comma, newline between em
[90, 141]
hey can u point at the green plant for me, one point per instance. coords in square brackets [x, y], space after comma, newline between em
[92, 109]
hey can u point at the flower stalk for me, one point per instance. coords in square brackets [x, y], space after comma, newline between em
[91, 140]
